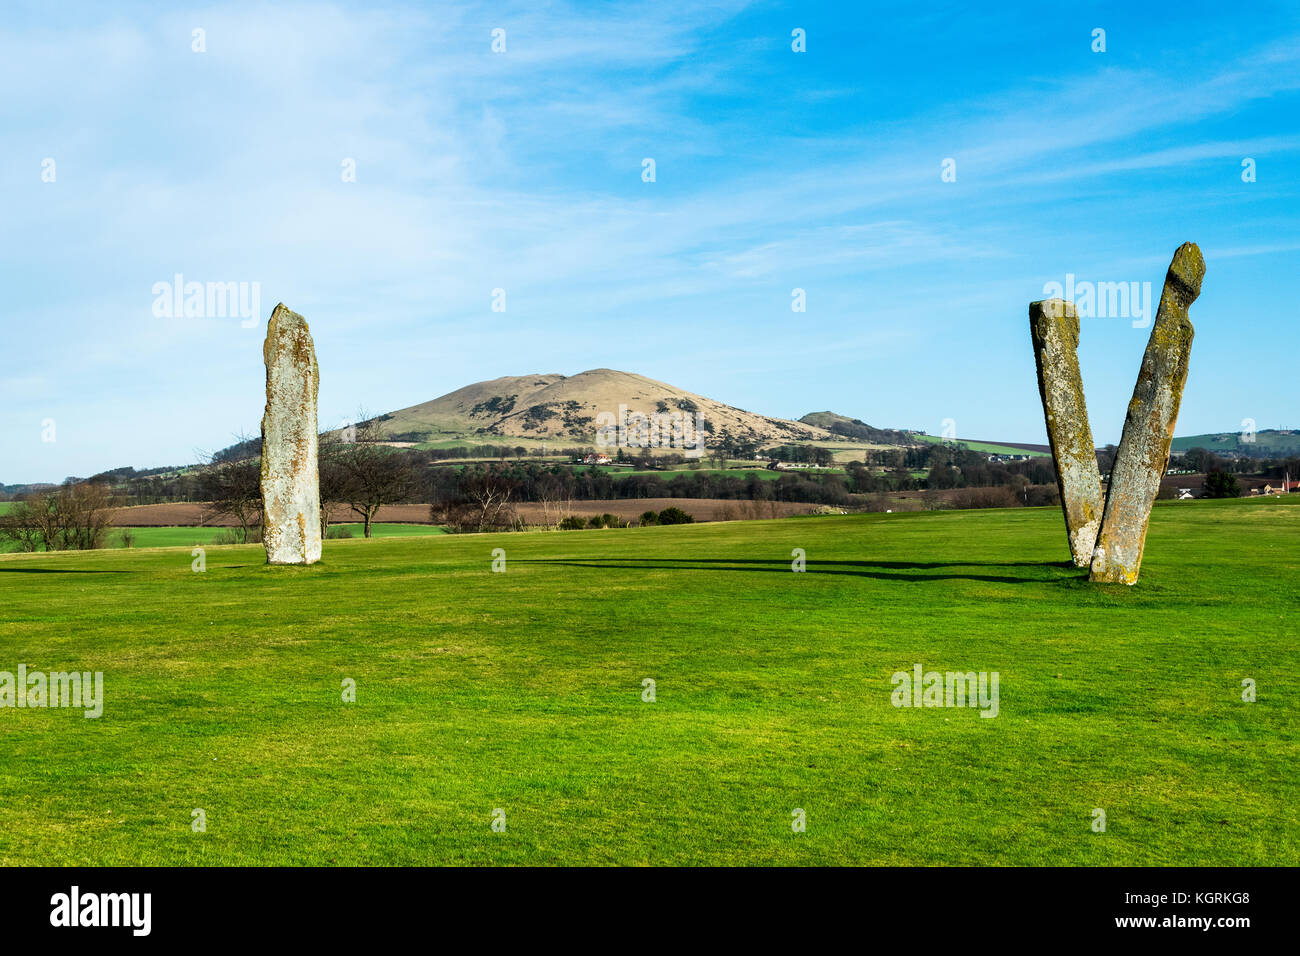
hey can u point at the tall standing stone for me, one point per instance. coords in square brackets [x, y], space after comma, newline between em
[1054, 327]
[290, 481]
[1149, 426]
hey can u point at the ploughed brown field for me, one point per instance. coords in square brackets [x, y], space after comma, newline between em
[190, 514]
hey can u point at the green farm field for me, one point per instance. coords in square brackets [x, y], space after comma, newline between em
[761, 472]
[522, 692]
[990, 448]
[1270, 442]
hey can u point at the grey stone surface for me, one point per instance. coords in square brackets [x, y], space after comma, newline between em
[1054, 328]
[290, 480]
[1149, 425]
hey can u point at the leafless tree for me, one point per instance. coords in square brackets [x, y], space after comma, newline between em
[490, 495]
[24, 523]
[232, 487]
[371, 474]
[484, 504]
[556, 499]
[73, 517]
[332, 446]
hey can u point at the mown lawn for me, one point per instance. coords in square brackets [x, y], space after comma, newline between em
[188, 537]
[522, 691]
[178, 537]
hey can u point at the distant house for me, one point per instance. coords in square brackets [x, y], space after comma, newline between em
[1281, 488]
[1184, 494]
[596, 460]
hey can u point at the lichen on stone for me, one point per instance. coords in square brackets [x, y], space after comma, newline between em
[1149, 425]
[290, 480]
[1054, 330]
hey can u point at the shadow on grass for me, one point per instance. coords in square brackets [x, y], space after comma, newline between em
[58, 571]
[880, 570]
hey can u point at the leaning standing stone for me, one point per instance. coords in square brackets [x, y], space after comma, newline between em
[1149, 426]
[290, 482]
[1054, 327]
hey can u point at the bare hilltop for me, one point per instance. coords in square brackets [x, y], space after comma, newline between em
[553, 407]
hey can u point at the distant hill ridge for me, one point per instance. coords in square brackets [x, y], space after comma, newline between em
[560, 408]
[857, 429]
[563, 409]
[1268, 443]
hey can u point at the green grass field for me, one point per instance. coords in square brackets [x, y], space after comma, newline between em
[190, 537]
[522, 691]
[989, 448]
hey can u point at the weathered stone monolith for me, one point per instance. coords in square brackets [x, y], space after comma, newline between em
[1149, 426]
[1054, 327]
[290, 482]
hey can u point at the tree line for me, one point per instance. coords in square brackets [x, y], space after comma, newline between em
[359, 471]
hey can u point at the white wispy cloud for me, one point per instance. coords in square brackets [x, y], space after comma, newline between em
[521, 170]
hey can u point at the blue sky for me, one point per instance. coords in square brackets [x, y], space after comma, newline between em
[522, 170]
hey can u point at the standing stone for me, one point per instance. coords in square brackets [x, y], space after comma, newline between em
[1054, 327]
[1149, 426]
[290, 482]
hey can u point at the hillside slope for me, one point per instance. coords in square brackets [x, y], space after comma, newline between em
[565, 408]
[1269, 443]
[857, 430]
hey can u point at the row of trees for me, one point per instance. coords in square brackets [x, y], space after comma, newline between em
[551, 483]
[364, 475]
[500, 451]
[359, 471]
[953, 466]
[805, 454]
[74, 516]
[354, 469]
[1203, 460]
[367, 473]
